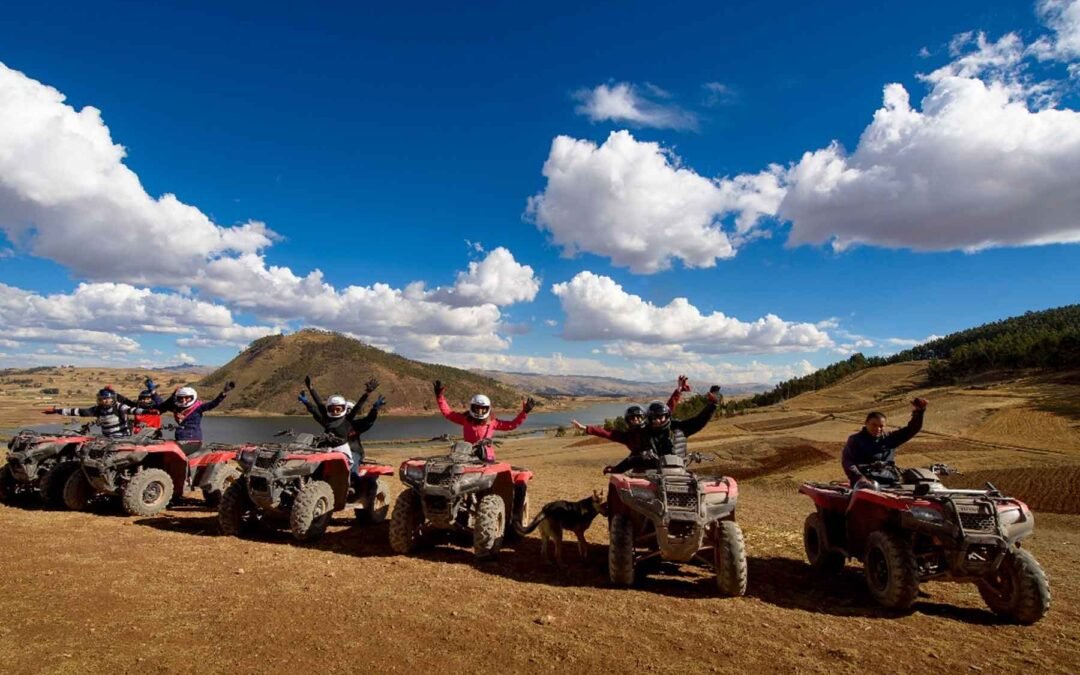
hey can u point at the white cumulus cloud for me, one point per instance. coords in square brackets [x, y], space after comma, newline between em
[497, 279]
[633, 202]
[597, 308]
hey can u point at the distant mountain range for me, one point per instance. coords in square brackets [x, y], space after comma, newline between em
[582, 385]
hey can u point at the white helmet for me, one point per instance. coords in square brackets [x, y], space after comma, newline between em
[188, 394]
[480, 407]
[336, 406]
[349, 405]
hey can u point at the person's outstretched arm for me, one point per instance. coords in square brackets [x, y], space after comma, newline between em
[368, 420]
[526, 407]
[697, 422]
[206, 407]
[444, 407]
[302, 397]
[319, 403]
[72, 412]
[914, 425]
[371, 386]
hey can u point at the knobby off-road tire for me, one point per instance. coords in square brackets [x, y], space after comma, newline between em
[235, 512]
[407, 522]
[77, 491]
[53, 482]
[214, 491]
[520, 517]
[1019, 590]
[815, 543]
[147, 493]
[729, 557]
[489, 526]
[621, 550]
[376, 504]
[889, 567]
[312, 511]
[7, 484]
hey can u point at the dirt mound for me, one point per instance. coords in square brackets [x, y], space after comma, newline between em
[779, 424]
[1050, 489]
[784, 459]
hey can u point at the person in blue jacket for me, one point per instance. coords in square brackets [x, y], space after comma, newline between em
[188, 410]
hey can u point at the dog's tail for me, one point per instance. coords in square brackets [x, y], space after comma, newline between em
[522, 531]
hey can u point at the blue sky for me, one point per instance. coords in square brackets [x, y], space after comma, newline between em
[693, 150]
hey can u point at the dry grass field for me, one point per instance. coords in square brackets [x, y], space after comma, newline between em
[102, 592]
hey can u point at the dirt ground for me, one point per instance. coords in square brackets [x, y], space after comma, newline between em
[102, 592]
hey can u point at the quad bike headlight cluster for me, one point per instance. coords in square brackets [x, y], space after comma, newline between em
[927, 514]
[413, 472]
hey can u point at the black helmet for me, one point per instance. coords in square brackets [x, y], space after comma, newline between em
[659, 415]
[634, 417]
[106, 397]
[146, 396]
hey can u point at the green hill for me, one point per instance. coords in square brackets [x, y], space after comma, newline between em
[270, 373]
[1045, 339]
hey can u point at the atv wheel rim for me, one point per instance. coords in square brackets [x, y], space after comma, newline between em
[1002, 585]
[879, 569]
[321, 508]
[152, 493]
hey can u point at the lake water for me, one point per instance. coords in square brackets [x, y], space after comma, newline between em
[388, 427]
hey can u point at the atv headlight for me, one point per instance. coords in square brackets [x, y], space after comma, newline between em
[642, 493]
[414, 472]
[926, 514]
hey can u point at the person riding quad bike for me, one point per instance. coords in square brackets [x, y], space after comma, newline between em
[147, 402]
[188, 410]
[873, 445]
[337, 418]
[477, 424]
[635, 437]
[112, 416]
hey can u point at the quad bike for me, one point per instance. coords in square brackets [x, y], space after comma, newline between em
[147, 472]
[907, 528]
[302, 482]
[40, 463]
[669, 513]
[459, 492]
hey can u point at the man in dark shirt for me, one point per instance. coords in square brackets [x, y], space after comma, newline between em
[873, 444]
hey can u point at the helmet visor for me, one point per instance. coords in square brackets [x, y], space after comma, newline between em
[145, 401]
[105, 401]
[185, 400]
[336, 410]
[479, 411]
[659, 419]
[635, 420]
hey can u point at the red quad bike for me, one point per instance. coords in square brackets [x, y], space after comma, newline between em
[40, 464]
[303, 483]
[147, 472]
[459, 492]
[907, 527]
[669, 513]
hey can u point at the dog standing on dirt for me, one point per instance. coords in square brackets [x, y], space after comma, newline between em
[563, 515]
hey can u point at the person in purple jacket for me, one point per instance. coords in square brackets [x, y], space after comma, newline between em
[188, 410]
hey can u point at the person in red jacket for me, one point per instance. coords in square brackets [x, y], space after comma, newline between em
[477, 424]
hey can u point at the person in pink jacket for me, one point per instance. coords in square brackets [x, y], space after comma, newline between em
[477, 424]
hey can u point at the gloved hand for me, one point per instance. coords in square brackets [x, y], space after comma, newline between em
[371, 385]
[302, 397]
[379, 403]
[439, 388]
[578, 425]
[528, 404]
[920, 403]
[51, 411]
[608, 469]
[684, 383]
[229, 386]
[150, 386]
[714, 393]
[307, 381]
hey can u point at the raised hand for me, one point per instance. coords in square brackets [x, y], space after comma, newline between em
[920, 403]
[714, 393]
[302, 397]
[527, 404]
[229, 386]
[371, 385]
[578, 425]
[307, 381]
[379, 403]
[150, 386]
[439, 388]
[684, 383]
